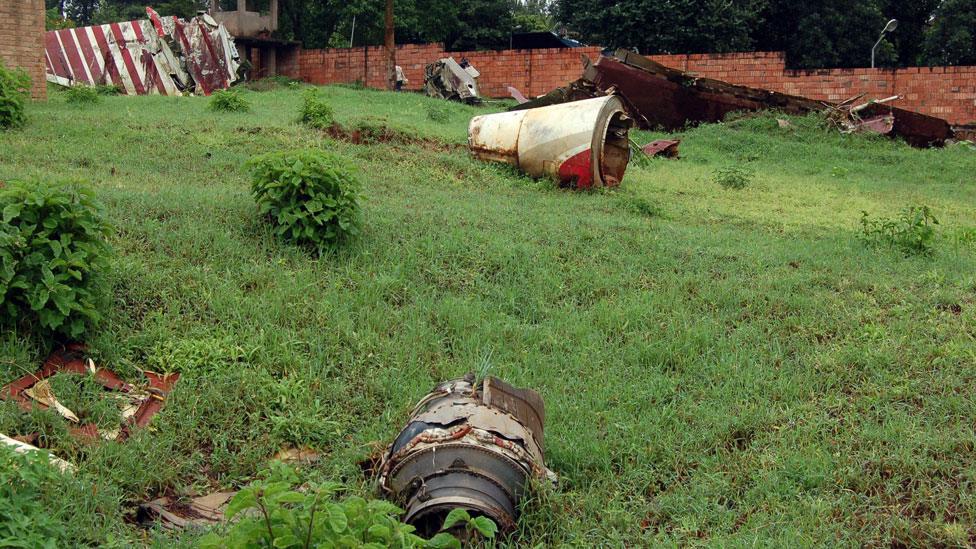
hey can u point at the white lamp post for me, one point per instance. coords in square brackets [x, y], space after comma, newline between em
[892, 25]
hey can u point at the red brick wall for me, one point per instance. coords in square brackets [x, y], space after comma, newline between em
[22, 40]
[946, 92]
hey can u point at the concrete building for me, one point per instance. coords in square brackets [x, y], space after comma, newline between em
[252, 28]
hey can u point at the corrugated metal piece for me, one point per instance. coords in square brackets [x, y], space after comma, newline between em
[137, 56]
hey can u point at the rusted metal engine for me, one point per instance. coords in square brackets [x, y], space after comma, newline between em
[469, 445]
[581, 144]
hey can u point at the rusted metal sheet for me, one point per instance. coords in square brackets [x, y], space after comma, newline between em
[155, 56]
[467, 445]
[662, 97]
[581, 144]
[141, 404]
[667, 148]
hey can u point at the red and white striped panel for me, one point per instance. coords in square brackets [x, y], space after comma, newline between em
[117, 53]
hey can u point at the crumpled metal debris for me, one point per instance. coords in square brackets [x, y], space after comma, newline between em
[659, 96]
[581, 144]
[448, 79]
[138, 404]
[155, 56]
[173, 514]
[667, 148]
[468, 445]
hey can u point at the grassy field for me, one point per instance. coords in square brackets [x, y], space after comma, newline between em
[719, 366]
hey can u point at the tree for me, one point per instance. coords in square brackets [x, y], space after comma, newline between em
[914, 18]
[651, 26]
[951, 39]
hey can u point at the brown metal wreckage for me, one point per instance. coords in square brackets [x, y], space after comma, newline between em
[662, 97]
[667, 148]
[468, 445]
[140, 404]
[582, 144]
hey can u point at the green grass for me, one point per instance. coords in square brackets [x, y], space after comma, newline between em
[719, 366]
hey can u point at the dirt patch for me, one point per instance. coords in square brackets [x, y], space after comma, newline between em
[373, 134]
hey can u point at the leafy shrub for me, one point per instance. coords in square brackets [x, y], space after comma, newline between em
[108, 89]
[14, 89]
[732, 177]
[52, 244]
[228, 101]
[274, 512]
[316, 112]
[81, 95]
[912, 232]
[310, 196]
[438, 112]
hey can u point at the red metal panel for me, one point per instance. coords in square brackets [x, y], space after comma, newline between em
[103, 49]
[88, 55]
[77, 66]
[130, 65]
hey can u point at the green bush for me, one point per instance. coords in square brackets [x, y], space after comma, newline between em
[732, 177]
[316, 112]
[81, 95]
[14, 90]
[108, 89]
[52, 245]
[310, 196]
[912, 232]
[228, 101]
[273, 513]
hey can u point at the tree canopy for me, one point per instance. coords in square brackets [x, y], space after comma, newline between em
[813, 33]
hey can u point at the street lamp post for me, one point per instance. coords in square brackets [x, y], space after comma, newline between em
[891, 26]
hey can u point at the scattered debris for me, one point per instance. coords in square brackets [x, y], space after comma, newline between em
[159, 55]
[581, 144]
[667, 148]
[659, 96]
[297, 455]
[517, 95]
[448, 79]
[22, 448]
[467, 445]
[137, 404]
[174, 514]
[41, 392]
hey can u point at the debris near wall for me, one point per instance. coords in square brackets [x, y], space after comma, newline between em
[448, 79]
[155, 56]
[137, 404]
[468, 445]
[659, 96]
[580, 144]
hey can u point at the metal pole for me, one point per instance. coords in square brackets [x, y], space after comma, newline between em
[353, 33]
[880, 38]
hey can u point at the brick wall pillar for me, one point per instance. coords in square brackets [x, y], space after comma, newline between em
[22, 40]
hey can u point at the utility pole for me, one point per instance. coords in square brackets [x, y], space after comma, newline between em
[390, 48]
